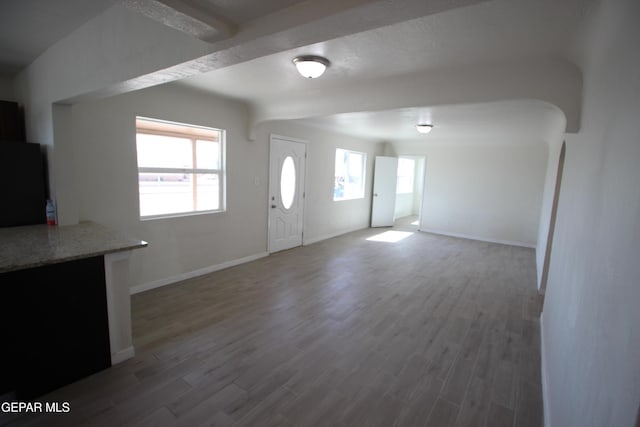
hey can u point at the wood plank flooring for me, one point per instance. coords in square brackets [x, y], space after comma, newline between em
[427, 331]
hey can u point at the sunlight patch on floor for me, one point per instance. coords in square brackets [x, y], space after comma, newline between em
[390, 236]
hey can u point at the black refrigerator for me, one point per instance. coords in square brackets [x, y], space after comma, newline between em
[22, 180]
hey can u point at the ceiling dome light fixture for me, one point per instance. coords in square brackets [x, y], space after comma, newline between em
[424, 128]
[311, 66]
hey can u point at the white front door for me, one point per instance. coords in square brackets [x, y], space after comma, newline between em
[286, 193]
[385, 175]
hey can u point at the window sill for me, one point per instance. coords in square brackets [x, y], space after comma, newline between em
[180, 215]
[350, 198]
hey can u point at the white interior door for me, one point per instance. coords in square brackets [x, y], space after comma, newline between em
[286, 193]
[385, 174]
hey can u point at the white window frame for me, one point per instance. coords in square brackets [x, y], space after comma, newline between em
[363, 178]
[221, 172]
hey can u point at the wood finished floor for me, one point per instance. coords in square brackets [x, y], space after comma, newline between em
[428, 331]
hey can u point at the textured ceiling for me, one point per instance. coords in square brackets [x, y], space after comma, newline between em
[463, 38]
[493, 123]
[243, 11]
[29, 27]
[487, 32]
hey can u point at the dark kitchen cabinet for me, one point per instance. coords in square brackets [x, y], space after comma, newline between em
[54, 325]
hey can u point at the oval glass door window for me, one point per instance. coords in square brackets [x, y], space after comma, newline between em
[288, 182]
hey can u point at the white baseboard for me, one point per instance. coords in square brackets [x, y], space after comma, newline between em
[122, 355]
[195, 273]
[543, 374]
[482, 239]
[313, 240]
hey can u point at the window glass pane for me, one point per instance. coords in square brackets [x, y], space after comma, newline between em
[355, 165]
[406, 172]
[353, 183]
[208, 154]
[340, 172]
[208, 192]
[164, 151]
[169, 155]
[349, 175]
[165, 193]
[287, 182]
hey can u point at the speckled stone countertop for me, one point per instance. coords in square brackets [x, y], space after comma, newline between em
[37, 245]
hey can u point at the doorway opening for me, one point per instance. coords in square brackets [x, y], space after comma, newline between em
[409, 192]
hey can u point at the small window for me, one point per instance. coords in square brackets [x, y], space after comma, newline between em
[349, 175]
[406, 173]
[180, 168]
[288, 182]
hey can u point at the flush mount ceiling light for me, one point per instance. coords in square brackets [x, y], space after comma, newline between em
[424, 128]
[311, 66]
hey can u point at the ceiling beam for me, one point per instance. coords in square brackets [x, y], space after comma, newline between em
[185, 16]
[554, 81]
[135, 60]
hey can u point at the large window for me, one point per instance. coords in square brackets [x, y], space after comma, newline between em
[180, 168]
[349, 175]
[406, 174]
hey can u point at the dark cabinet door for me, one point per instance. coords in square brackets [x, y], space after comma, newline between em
[57, 317]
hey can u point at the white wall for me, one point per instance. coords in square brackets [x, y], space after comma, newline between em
[101, 156]
[591, 320]
[325, 217]
[485, 191]
[104, 161]
[116, 46]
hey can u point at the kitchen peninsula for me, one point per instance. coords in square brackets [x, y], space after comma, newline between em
[64, 304]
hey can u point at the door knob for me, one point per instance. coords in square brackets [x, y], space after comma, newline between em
[273, 206]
